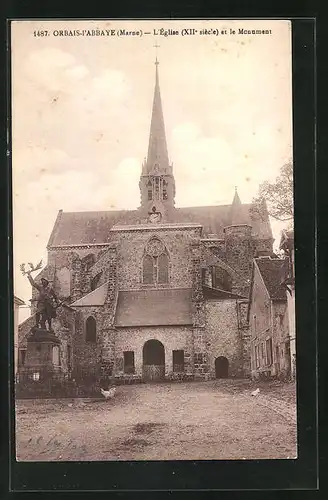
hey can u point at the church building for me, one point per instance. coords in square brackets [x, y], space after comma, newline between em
[158, 292]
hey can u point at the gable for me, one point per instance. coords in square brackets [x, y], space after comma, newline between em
[258, 294]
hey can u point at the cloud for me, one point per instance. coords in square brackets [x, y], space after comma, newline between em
[34, 162]
[77, 72]
[201, 163]
[121, 187]
[110, 84]
[54, 70]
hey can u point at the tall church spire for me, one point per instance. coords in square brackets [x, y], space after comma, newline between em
[157, 158]
[157, 185]
[237, 211]
[236, 200]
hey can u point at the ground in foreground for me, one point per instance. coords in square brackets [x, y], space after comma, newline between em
[171, 421]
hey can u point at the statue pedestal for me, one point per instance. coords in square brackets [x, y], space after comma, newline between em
[42, 335]
[42, 355]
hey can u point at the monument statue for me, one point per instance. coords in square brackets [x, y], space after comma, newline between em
[47, 301]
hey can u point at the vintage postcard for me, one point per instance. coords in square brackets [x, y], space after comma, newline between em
[153, 240]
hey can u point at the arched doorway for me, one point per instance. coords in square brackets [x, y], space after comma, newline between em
[221, 367]
[153, 360]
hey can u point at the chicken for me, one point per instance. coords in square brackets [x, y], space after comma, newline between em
[108, 394]
[255, 393]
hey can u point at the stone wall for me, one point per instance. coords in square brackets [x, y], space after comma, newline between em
[263, 247]
[198, 313]
[60, 257]
[86, 355]
[108, 333]
[72, 270]
[172, 338]
[131, 250]
[223, 336]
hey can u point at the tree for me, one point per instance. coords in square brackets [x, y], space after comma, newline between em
[279, 194]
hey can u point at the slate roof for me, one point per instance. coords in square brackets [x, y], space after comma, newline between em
[77, 228]
[95, 298]
[272, 272]
[215, 218]
[154, 308]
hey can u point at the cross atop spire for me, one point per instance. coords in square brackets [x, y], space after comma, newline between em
[156, 59]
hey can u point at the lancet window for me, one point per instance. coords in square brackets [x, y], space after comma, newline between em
[155, 263]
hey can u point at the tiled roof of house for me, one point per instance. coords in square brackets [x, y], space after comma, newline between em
[154, 308]
[78, 228]
[272, 272]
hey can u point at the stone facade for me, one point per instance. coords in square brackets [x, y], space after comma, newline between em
[201, 257]
[218, 327]
[172, 338]
[224, 336]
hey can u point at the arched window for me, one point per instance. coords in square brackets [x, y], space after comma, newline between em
[88, 261]
[163, 269]
[155, 263]
[95, 281]
[91, 330]
[148, 269]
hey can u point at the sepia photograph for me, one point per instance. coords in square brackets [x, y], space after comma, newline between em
[153, 240]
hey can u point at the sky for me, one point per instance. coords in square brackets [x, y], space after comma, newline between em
[81, 109]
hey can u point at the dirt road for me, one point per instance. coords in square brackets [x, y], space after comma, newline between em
[192, 421]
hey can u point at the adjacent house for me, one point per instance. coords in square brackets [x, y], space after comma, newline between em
[268, 320]
[287, 245]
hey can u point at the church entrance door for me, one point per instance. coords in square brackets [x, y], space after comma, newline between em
[153, 361]
[221, 367]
